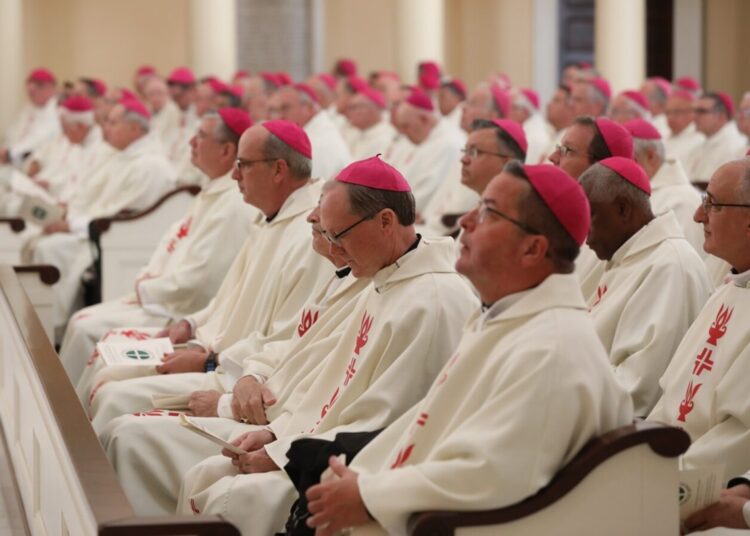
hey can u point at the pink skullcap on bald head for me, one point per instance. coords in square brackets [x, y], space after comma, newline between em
[629, 170]
[689, 83]
[328, 80]
[501, 99]
[727, 101]
[291, 134]
[346, 67]
[307, 90]
[41, 76]
[602, 86]
[374, 173]
[77, 103]
[419, 99]
[663, 84]
[515, 131]
[637, 97]
[181, 75]
[642, 129]
[238, 121]
[618, 140]
[563, 196]
[144, 70]
[132, 104]
[532, 96]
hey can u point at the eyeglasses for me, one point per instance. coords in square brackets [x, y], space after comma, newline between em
[473, 152]
[708, 205]
[701, 111]
[243, 164]
[484, 210]
[564, 150]
[335, 238]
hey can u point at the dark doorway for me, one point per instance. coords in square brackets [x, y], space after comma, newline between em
[659, 24]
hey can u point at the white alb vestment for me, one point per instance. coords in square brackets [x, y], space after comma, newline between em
[451, 198]
[399, 335]
[33, 126]
[650, 292]
[134, 179]
[430, 163]
[183, 274]
[671, 190]
[152, 482]
[661, 124]
[369, 142]
[329, 151]
[705, 385]
[177, 146]
[166, 123]
[538, 137]
[684, 145]
[270, 280]
[527, 387]
[722, 147]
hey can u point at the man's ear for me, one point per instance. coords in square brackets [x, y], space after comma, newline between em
[624, 208]
[535, 248]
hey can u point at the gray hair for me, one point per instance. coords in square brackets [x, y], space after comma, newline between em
[366, 201]
[299, 166]
[138, 119]
[640, 147]
[222, 133]
[744, 186]
[602, 185]
[637, 109]
[596, 95]
[80, 118]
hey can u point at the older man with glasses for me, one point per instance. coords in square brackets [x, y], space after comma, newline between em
[705, 387]
[653, 283]
[395, 340]
[683, 139]
[714, 117]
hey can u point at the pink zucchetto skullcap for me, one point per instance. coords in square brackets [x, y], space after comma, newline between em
[291, 134]
[727, 101]
[642, 129]
[684, 94]
[663, 84]
[458, 86]
[237, 90]
[602, 86]
[135, 106]
[144, 70]
[240, 74]
[501, 99]
[271, 78]
[637, 97]
[419, 99]
[41, 76]
[125, 93]
[747, 153]
[346, 67]
[285, 79]
[618, 140]
[375, 96]
[238, 121]
[429, 75]
[216, 85]
[307, 90]
[99, 86]
[688, 83]
[515, 131]
[181, 75]
[328, 80]
[357, 83]
[564, 197]
[630, 170]
[77, 103]
[374, 173]
[532, 96]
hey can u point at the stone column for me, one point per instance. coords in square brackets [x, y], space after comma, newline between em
[11, 57]
[420, 35]
[213, 37]
[620, 42]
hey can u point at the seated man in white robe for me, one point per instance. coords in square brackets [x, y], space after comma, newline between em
[371, 132]
[166, 115]
[189, 262]
[559, 116]
[658, 90]
[705, 386]
[299, 105]
[590, 97]
[527, 387]
[183, 91]
[272, 276]
[398, 336]
[486, 101]
[36, 123]
[670, 186]
[629, 105]
[450, 99]
[714, 117]
[436, 147]
[134, 178]
[525, 112]
[653, 284]
[586, 142]
[683, 139]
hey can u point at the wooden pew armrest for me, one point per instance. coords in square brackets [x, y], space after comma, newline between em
[16, 224]
[48, 274]
[174, 525]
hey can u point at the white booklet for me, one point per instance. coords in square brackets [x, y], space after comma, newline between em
[40, 211]
[191, 425]
[135, 353]
[700, 487]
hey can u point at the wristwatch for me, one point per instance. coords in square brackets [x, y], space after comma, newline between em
[210, 364]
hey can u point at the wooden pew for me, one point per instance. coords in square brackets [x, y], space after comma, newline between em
[11, 240]
[63, 477]
[126, 241]
[37, 281]
[624, 482]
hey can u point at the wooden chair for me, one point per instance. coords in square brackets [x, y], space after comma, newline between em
[37, 281]
[65, 482]
[126, 241]
[622, 483]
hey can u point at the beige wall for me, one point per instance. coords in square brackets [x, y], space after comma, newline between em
[727, 46]
[105, 38]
